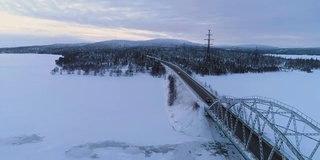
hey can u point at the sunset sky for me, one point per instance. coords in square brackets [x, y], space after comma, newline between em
[282, 23]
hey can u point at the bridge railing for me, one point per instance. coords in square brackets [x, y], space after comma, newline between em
[288, 107]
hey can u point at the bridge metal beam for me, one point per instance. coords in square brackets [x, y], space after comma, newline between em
[266, 109]
[279, 133]
[230, 136]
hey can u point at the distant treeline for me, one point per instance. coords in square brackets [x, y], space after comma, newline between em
[223, 62]
[130, 60]
[113, 62]
[61, 49]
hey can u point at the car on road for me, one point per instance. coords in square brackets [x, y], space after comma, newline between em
[208, 100]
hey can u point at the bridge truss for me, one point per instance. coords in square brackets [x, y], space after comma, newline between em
[282, 131]
[263, 128]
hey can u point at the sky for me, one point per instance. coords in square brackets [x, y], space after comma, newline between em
[281, 23]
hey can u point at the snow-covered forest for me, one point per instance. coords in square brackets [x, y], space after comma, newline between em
[116, 58]
[130, 60]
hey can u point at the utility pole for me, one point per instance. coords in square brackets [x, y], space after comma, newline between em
[207, 57]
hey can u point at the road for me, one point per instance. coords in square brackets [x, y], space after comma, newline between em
[204, 95]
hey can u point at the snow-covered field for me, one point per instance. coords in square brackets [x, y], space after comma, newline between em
[62, 117]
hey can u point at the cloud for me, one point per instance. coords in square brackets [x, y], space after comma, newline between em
[162, 16]
[231, 21]
[95, 12]
[22, 25]
[144, 19]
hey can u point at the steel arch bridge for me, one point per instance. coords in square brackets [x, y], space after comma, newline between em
[287, 132]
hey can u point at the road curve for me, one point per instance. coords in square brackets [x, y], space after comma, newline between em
[208, 98]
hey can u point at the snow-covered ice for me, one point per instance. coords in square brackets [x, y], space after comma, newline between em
[91, 117]
[297, 56]
[62, 117]
[298, 89]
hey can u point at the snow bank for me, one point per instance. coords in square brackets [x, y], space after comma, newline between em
[184, 117]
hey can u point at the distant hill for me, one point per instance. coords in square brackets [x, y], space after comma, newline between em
[153, 42]
[112, 44]
[58, 48]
